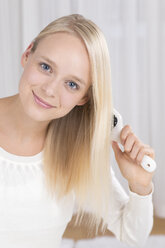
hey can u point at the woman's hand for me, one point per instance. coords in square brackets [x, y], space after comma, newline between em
[139, 180]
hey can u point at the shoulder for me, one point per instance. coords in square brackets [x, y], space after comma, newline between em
[4, 101]
[4, 112]
[2, 107]
[5, 104]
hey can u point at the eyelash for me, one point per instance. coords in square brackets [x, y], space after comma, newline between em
[75, 84]
[44, 64]
[49, 69]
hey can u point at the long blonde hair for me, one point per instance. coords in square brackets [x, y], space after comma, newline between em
[77, 146]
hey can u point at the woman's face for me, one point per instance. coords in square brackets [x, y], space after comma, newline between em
[58, 73]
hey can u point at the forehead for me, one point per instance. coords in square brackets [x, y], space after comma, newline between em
[68, 53]
[66, 50]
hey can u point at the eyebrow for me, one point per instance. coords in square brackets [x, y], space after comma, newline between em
[49, 61]
[55, 65]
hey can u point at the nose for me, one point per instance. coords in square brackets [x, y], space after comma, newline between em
[51, 90]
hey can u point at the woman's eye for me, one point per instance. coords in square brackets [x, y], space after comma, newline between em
[45, 67]
[73, 85]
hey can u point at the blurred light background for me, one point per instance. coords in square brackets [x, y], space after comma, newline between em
[135, 33]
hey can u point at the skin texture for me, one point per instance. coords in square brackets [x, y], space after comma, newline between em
[51, 72]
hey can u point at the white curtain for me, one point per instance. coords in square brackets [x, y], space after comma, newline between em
[135, 32]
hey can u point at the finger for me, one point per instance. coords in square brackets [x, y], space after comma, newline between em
[135, 150]
[144, 151]
[124, 133]
[129, 142]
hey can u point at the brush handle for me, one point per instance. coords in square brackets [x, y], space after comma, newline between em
[147, 163]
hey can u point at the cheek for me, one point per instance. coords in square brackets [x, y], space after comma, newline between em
[69, 101]
[28, 80]
[30, 77]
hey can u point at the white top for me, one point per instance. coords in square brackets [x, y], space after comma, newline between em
[29, 218]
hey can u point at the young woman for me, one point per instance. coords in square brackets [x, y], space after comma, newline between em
[55, 140]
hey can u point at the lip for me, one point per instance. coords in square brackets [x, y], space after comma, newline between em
[41, 102]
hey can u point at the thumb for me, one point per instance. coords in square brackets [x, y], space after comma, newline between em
[118, 153]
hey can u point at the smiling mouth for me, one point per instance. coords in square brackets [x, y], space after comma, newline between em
[41, 102]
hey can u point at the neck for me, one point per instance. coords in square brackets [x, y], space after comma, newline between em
[19, 124]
